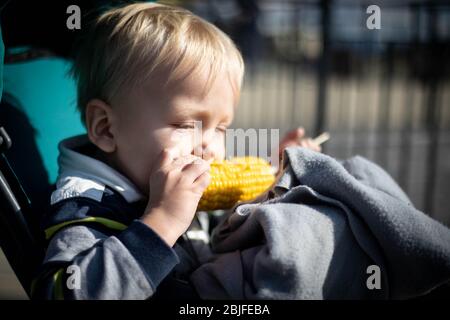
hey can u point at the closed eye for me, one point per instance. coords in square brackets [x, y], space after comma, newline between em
[189, 125]
[221, 128]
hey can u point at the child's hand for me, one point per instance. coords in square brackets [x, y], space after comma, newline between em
[297, 138]
[176, 186]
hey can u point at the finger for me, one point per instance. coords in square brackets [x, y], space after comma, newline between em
[303, 143]
[164, 159]
[300, 132]
[293, 135]
[181, 160]
[300, 136]
[314, 146]
[195, 169]
[309, 143]
[208, 155]
[202, 182]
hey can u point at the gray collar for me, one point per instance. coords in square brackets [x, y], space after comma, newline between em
[84, 176]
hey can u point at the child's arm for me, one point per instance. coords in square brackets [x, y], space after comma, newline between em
[128, 264]
[83, 262]
[176, 186]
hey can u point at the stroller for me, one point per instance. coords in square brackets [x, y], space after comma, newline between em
[28, 149]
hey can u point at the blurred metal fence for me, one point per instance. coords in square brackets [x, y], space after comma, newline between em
[383, 94]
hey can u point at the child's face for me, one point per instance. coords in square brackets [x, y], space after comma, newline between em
[151, 118]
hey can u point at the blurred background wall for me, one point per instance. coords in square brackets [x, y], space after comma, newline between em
[383, 94]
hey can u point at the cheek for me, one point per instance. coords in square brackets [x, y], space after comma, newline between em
[137, 150]
[182, 140]
[218, 147]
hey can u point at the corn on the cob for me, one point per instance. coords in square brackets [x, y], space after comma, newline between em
[234, 180]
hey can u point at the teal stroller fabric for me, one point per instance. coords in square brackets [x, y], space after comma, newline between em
[2, 56]
[43, 92]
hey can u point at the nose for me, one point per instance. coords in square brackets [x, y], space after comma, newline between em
[204, 148]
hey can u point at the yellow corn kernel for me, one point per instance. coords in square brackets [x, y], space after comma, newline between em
[235, 180]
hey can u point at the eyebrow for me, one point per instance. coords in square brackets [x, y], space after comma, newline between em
[194, 112]
[186, 110]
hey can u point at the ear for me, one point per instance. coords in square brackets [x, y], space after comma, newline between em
[99, 124]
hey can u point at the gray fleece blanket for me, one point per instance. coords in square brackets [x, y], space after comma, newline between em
[328, 230]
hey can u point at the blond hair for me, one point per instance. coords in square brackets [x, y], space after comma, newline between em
[127, 45]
